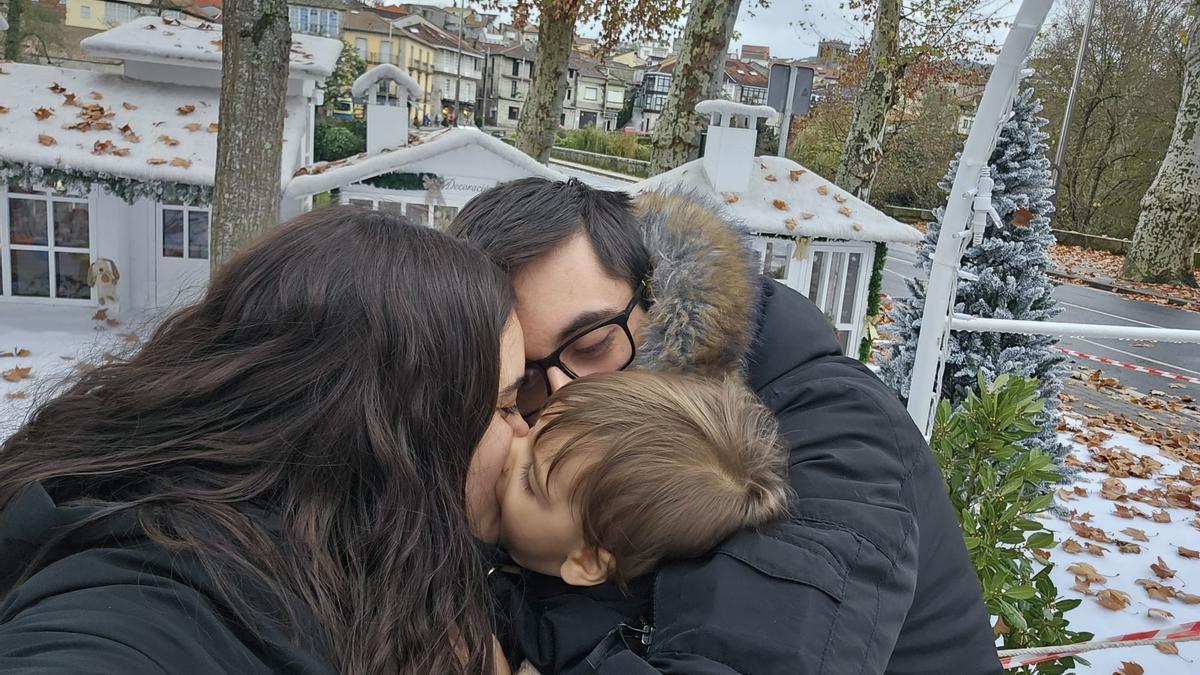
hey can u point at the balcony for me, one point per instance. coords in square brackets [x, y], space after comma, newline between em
[375, 58]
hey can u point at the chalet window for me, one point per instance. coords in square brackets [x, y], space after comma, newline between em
[47, 244]
[513, 112]
[185, 232]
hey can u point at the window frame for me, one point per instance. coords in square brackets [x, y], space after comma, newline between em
[49, 197]
[159, 208]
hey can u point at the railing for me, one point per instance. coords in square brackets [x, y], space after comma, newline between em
[629, 167]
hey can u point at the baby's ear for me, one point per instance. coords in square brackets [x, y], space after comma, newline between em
[588, 566]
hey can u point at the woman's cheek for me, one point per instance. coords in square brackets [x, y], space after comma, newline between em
[486, 466]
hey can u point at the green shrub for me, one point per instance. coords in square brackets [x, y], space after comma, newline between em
[335, 139]
[997, 488]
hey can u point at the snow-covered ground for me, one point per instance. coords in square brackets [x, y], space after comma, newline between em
[51, 341]
[60, 338]
[1123, 570]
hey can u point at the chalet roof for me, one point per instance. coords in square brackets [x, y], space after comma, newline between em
[323, 176]
[787, 199]
[147, 131]
[520, 51]
[198, 44]
[418, 29]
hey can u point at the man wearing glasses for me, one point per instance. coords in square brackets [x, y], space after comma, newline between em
[869, 575]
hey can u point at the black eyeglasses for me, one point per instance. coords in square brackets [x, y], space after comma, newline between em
[605, 347]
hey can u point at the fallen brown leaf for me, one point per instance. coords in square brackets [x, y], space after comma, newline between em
[16, 395]
[155, 161]
[1161, 517]
[731, 198]
[790, 223]
[22, 352]
[771, 178]
[186, 109]
[100, 315]
[16, 374]
[213, 128]
[128, 106]
[1128, 547]
[794, 174]
[1135, 534]
[167, 140]
[1189, 553]
[1156, 613]
[96, 96]
[1086, 571]
[192, 126]
[780, 204]
[1094, 549]
[1161, 570]
[1113, 599]
[42, 113]
[1188, 598]
[823, 190]
[1156, 590]
[181, 162]
[1167, 648]
[46, 140]
[1130, 668]
[57, 88]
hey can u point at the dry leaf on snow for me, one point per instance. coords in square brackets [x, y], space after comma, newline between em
[192, 126]
[1135, 534]
[1167, 648]
[841, 199]
[780, 204]
[1086, 571]
[1156, 590]
[1071, 546]
[155, 161]
[128, 106]
[1112, 488]
[1189, 553]
[42, 113]
[181, 162]
[186, 109]
[1161, 570]
[824, 190]
[1128, 547]
[1188, 598]
[807, 216]
[731, 199]
[790, 223]
[1094, 549]
[770, 177]
[16, 374]
[46, 140]
[794, 174]
[213, 127]
[100, 315]
[57, 88]
[1113, 599]
[22, 353]
[3, 109]
[857, 227]
[1156, 613]
[16, 395]
[96, 96]
[165, 139]
[1161, 517]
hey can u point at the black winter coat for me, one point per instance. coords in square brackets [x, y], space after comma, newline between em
[109, 601]
[870, 575]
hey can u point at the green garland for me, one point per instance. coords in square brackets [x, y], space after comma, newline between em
[874, 301]
[124, 187]
[399, 181]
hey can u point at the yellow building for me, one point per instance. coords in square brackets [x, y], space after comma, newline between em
[378, 41]
[102, 15]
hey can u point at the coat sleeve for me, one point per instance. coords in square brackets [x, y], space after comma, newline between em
[825, 592]
[147, 625]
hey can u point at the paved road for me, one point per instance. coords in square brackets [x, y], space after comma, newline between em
[1089, 305]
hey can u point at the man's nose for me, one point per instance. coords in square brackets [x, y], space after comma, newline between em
[557, 378]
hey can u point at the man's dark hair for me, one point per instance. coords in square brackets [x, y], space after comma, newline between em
[523, 220]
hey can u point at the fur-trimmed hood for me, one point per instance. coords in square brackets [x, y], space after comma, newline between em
[704, 288]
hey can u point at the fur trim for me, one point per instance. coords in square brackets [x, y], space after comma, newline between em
[705, 285]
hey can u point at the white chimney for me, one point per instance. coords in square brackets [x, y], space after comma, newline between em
[729, 148]
[387, 122]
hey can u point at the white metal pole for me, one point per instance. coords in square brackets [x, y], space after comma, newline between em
[785, 123]
[1056, 328]
[943, 276]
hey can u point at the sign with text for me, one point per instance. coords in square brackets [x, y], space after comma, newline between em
[777, 87]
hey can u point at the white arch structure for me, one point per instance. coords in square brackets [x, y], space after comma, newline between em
[967, 211]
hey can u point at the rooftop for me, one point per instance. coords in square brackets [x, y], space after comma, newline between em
[787, 199]
[423, 146]
[198, 44]
[105, 123]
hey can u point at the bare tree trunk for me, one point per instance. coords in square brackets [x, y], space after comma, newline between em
[12, 38]
[1169, 225]
[540, 114]
[256, 47]
[880, 90]
[697, 76]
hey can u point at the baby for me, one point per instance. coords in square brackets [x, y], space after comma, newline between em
[624, 470]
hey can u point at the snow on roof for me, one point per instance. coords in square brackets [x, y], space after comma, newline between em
[324, 176]
[142, 130]
[785, 198]
[724, 107]
[198, 44]
[386, 71]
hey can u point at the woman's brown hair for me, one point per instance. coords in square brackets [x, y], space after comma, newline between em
[336, 377]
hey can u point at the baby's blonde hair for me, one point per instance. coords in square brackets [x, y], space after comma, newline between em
[681, 463]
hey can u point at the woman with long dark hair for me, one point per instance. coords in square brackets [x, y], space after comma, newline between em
[282, 478]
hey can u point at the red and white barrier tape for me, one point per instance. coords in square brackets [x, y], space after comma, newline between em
[1131, 366]
[1014, 658]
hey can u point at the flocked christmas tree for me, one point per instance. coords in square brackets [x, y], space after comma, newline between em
[1011, 264]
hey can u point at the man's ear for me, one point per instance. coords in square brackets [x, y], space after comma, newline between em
[587, 566]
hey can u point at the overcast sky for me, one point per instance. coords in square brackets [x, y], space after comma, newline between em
[791, 28]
